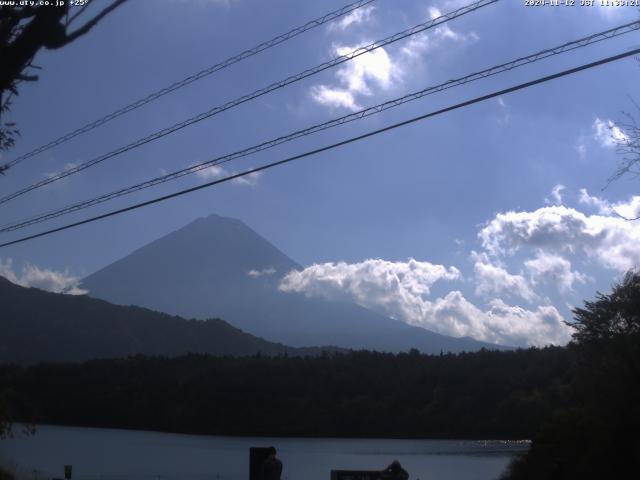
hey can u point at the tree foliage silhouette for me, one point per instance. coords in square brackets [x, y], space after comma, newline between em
[597, 434]
[25, 30]
[610, 316]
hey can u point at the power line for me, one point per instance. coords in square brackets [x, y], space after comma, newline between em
[543, 54]
[193, 78]
[258, 93]
[467, 103]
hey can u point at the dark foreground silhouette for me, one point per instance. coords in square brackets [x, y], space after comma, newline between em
[580, 403]
[597, 434]
[360, 394]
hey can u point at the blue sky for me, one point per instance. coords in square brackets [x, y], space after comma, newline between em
[490, 221]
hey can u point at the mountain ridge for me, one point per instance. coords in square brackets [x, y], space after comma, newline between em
[204, 269]
[39, 326]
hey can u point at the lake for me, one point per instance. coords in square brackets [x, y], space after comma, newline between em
[105, 454]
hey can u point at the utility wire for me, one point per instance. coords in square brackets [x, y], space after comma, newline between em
[543, 54]
[193, 78]
[309, 153]
[258, 93]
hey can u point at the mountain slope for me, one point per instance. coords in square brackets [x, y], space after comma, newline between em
[219, 267]
[41, 326]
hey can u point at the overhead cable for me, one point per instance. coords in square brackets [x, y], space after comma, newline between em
[310, 153]
[251, 96]
[193, 78]
[497, 69]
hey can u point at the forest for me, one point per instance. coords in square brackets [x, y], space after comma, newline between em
[364, 394]
[580, 404]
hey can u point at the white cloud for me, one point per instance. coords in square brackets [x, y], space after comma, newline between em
[361, 75]
[49, 280]
[356, 17]
[442, 31]
[215, 172]
[334, 97]
[495, 280]
[607, 134]
[500, 323]
[555, 197]
[603, 206]
[398, 289]
[211, 173]
[630, 209]
[627, 210]
[516, 325]
[261, 273]
[554, 268]
[392, 287]
[358, 76]
[417, 46]
[611, 241]
[371, 66]
[250, 179]
[331, 280]
[421, 43]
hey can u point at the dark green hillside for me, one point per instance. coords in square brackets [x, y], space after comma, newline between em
[38, 326]
[474, 395]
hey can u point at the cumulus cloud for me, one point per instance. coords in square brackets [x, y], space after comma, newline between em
[370, 277]
[378, 69]
[627, 210]
[554, 268]
[261, 273]
[607, 134]
[49, 280]
[356, 77]
[602, 206]
[334, 97]
[356, 17]
[630, 209]
[495, 280]
[374, 66]
[399, 290]
[396, 288]
[555, 197]
[611, 241]
[500, 323]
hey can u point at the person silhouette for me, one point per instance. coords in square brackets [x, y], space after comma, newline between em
[395, 472]
[271, 467]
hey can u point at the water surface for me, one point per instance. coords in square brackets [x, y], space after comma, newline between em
[105, 454]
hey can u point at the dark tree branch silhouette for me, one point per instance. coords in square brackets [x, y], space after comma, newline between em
[626, 136]
[627, 140]
[25, 30]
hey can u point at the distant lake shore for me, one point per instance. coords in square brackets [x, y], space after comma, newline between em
[132, 454]
[452, 438]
